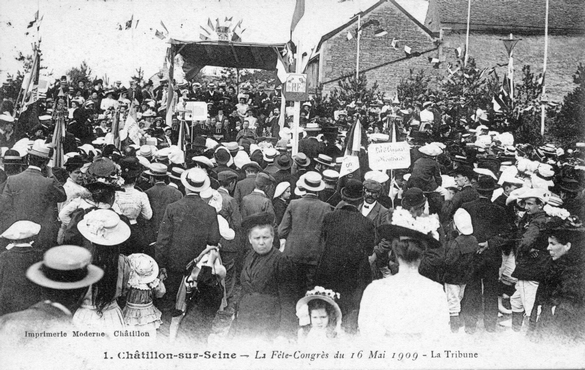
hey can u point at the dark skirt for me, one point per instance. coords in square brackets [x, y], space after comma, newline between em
[258, 316]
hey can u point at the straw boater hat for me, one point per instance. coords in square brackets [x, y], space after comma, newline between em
[65, 267]
[104, 227]
[320, 293]
[40, 149]
[203, 160]
[195, 179]
[176, 173]
[330, 176]
[325, 160]
[157, 170]
[144, 271]
[302, 160]
[312, 181]
[312, 126]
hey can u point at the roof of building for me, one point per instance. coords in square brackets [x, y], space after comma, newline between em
[334, 32]
[503, 16]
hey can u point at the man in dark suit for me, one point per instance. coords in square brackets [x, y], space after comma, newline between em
[310, 145]
[257, 201]
[160, 196]
[188, 226]
[370, 207]
[32, 196]
[302, 227]
[463, 176]
[349, 240]
[247, 185]
[490, 229]
[231, 250]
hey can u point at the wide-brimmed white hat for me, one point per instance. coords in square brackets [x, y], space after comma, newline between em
[462, 220]
[485, 172]
[540, 194]
[195, 179]
[22, 229]
[65, 267]
[144, 270]
[431, 150]
[104, 227]
[378, 176]
[327, 295]
[203, 160]
[281, 188]
[312, 181]
[269, 154]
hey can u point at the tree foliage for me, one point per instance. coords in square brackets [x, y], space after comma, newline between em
[411, 87]
[352, 89]
[81, 73]
[466, 82]
[568, 126]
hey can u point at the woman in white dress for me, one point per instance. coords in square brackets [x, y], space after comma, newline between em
[99, 310]
[406, 303]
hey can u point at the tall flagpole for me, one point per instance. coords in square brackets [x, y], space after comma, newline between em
[357, 62]
[297, 107]
[467, 36]
[543, 98]
[169, 116]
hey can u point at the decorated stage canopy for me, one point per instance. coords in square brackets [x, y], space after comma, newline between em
[199, 54]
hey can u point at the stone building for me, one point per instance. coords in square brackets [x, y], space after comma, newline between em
[493, 20]
[335, 55]
[444, 30]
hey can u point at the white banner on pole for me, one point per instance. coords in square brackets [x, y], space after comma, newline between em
[389, 156]
[351, 163]
[195, 111]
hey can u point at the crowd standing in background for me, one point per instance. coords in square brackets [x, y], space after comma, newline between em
[190, 226]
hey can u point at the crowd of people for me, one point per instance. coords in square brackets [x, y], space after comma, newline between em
[479, 234]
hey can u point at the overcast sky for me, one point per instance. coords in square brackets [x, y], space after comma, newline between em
[76, 30]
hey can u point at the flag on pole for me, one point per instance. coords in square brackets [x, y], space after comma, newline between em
[181, 138]
[58, 136]
[116, 130]
[129, 23]
[351, 161]
[297, 14]
[394, 44]
[32, 23]
[31, 94]
[281, 69]
[236, 37]
[165, 27]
